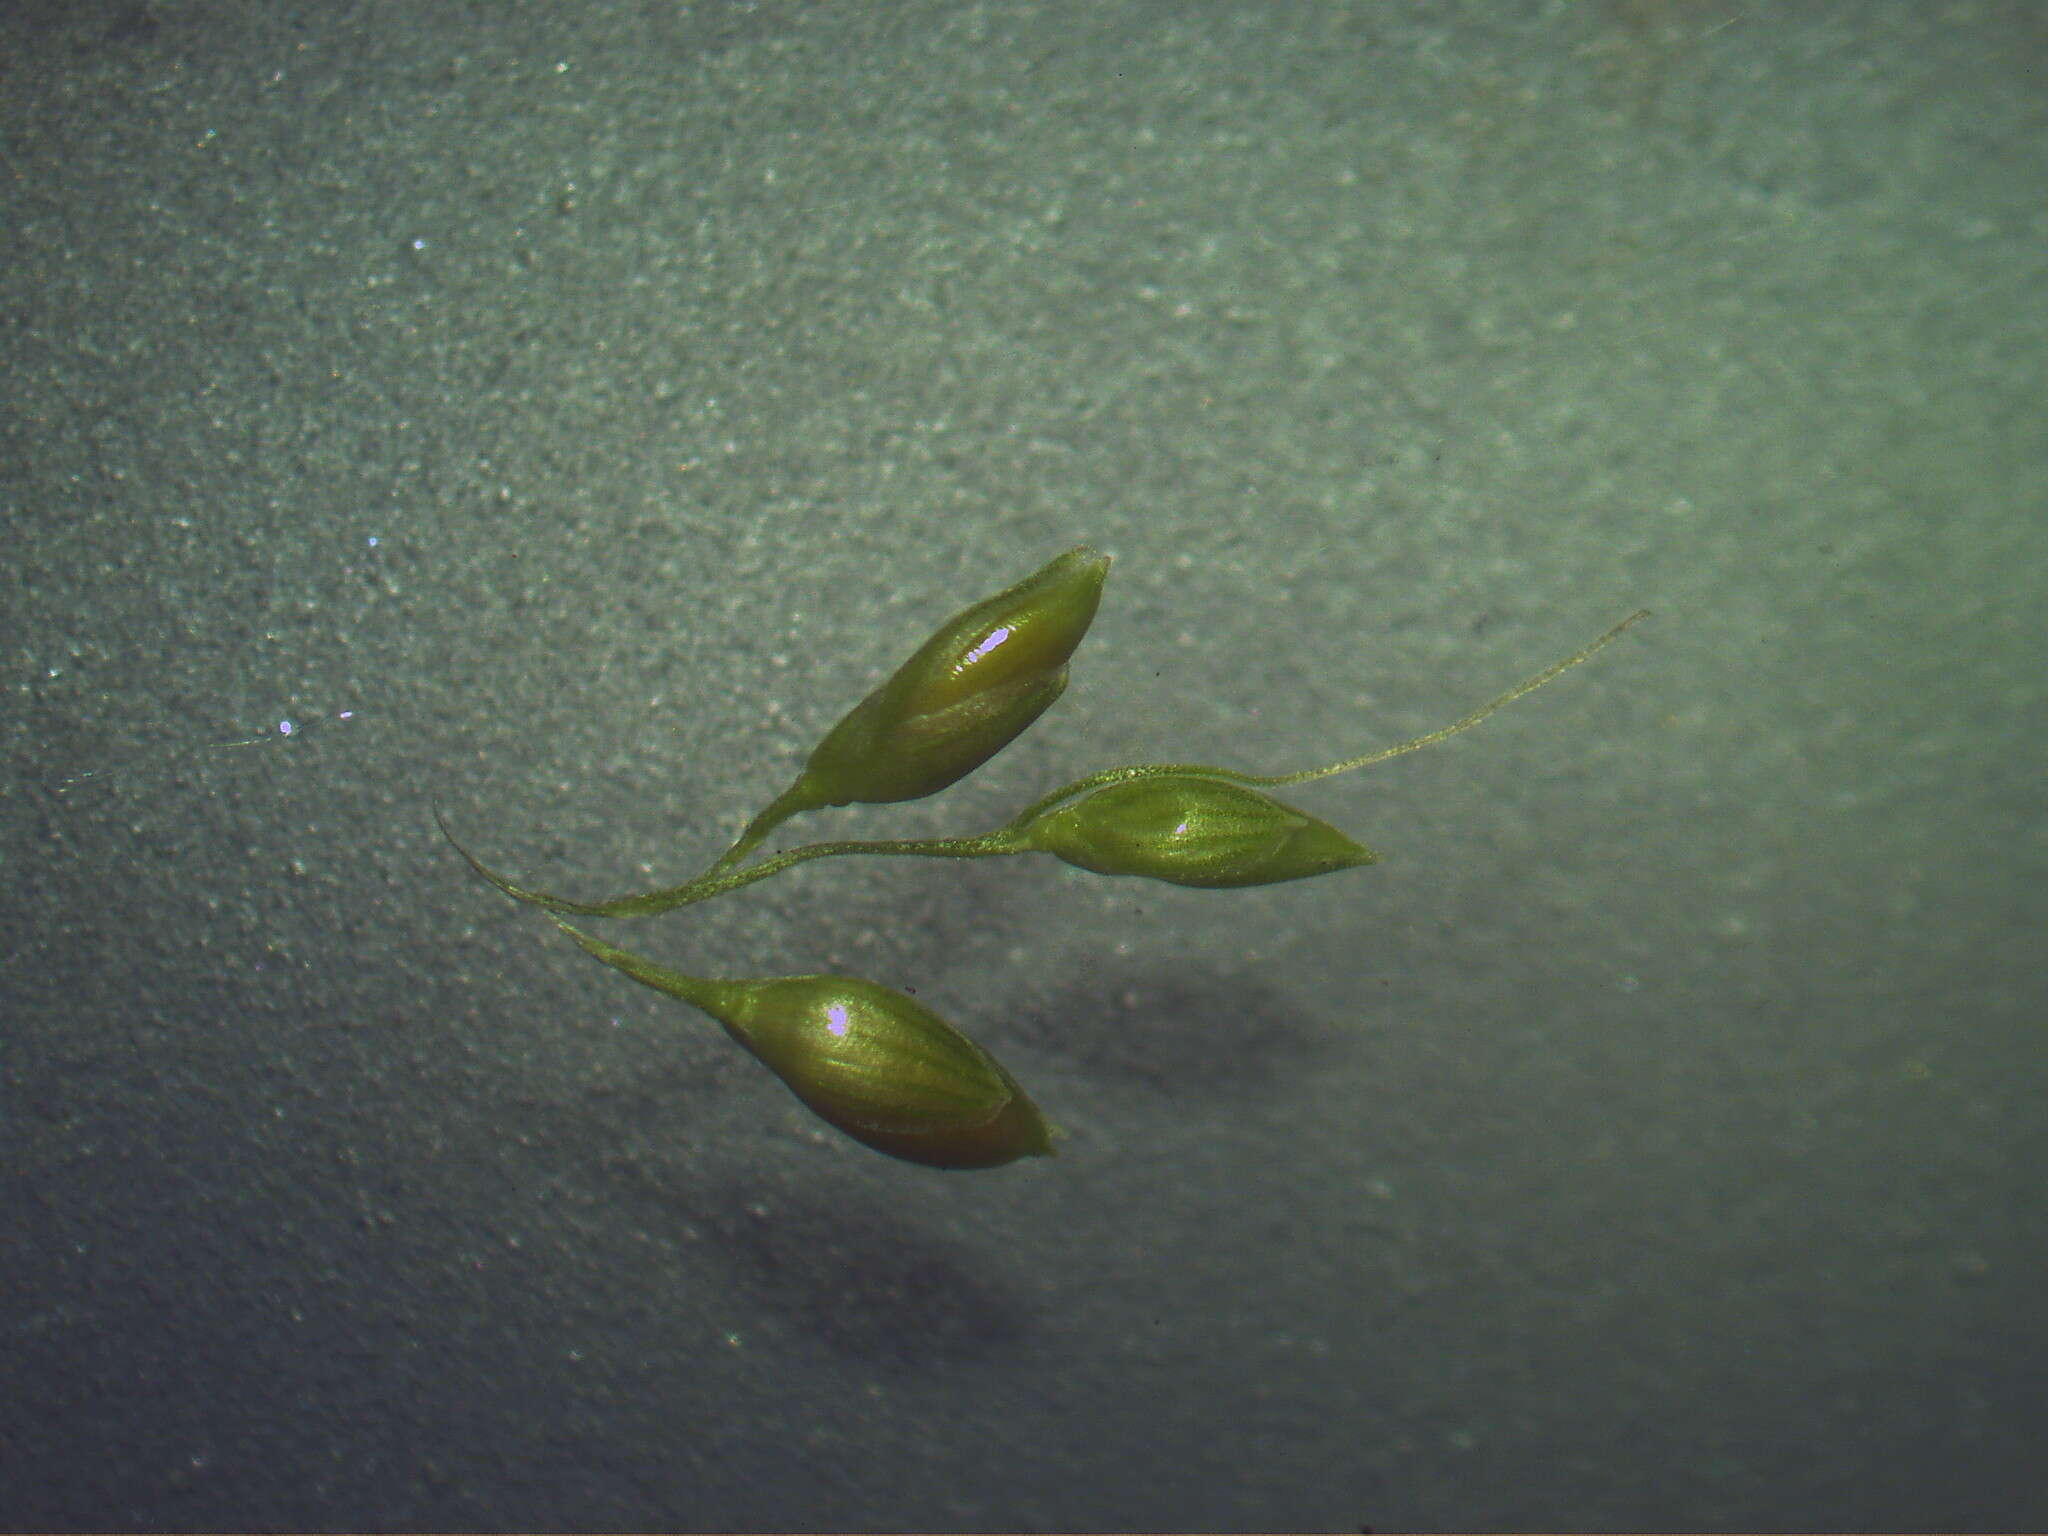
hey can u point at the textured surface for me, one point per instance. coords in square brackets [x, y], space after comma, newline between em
[594, 401]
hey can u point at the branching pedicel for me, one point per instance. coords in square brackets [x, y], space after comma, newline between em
[881, 1066]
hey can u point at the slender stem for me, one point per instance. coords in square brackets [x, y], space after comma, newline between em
[792, 801]
[703, 992]
[712, 883]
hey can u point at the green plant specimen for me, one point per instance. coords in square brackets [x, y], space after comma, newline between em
[881, 1066]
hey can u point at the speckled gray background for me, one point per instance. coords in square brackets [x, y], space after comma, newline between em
[592, 400]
